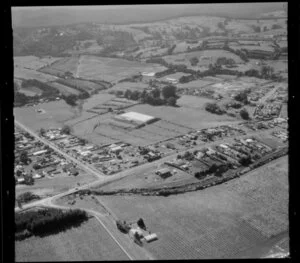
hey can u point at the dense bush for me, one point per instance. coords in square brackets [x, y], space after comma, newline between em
[244, 114]
[214, 108]
[27, 197]
[43, 222]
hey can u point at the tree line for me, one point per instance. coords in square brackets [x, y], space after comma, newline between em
[47, 221]
[155, 97]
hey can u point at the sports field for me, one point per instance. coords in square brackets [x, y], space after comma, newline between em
[90, 241]
[224, 221]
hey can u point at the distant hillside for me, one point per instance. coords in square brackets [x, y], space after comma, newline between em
[42, 16]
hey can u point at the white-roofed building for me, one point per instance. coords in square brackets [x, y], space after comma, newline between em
[136, 117]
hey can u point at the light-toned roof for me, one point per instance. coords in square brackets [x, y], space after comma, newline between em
[135, 116]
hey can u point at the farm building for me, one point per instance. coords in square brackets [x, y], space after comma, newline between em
[148, 74]
[172, 80]
[151, 237]
[39, 152]
[164, 173]
[136, 117]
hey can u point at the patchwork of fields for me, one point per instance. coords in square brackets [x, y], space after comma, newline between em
[60, 67]
[112, 69]
[222, 221]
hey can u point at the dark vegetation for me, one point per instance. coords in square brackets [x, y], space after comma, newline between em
[123, 226]
[214, 108]
[244, 114]
[27, 197]
[48, 92]
[47, 221]
[155, 97]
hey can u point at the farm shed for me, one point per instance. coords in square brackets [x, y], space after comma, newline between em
[116, 149]
[151, 237]
[39, 152]
[136, 117]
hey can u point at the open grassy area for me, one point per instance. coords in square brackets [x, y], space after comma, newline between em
[90, 241]
[186, 115]
[45, 187]
[223, 221]
[32, 62]
[112, 69]
[56, 113]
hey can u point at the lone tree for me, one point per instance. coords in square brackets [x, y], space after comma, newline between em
[169, 91]
[141, 223]
[244, 114]
[66, 129]
[42, 132]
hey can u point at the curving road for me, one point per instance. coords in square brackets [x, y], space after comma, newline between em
[123, 241]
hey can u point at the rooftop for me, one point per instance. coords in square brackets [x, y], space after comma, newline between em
[135, 116]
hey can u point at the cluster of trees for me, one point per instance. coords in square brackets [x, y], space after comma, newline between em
[225, 61]
[166, 96]
[242, 96]
[256, 29]
[214, 108]
[43, 222]
[215, 169]
[66, 129]
[48, 92]
[24, 158]
[27, 197]
[115, 41]
[123, 226]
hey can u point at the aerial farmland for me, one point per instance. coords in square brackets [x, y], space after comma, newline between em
[152, 139]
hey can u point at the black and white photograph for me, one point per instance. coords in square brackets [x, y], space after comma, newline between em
[151, 132]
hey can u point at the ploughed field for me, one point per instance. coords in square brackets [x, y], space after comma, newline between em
[223, 221]
[90, 241]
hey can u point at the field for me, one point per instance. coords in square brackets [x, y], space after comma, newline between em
[90, 241]
[223, 221]
[192, 116]
[65, 90]
[56, 113]
[58, 68]
[82, 84]
[32, 62]
[205, 57]
[31, 91]
[112, 69]
[24, 73]
[195, 84]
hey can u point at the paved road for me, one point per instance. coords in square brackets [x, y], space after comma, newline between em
[138, 253]
[67, 156]
[105, 179]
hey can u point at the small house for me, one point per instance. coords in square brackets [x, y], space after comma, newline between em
[164, 173]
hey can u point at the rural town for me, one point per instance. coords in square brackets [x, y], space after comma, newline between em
[153, 135]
